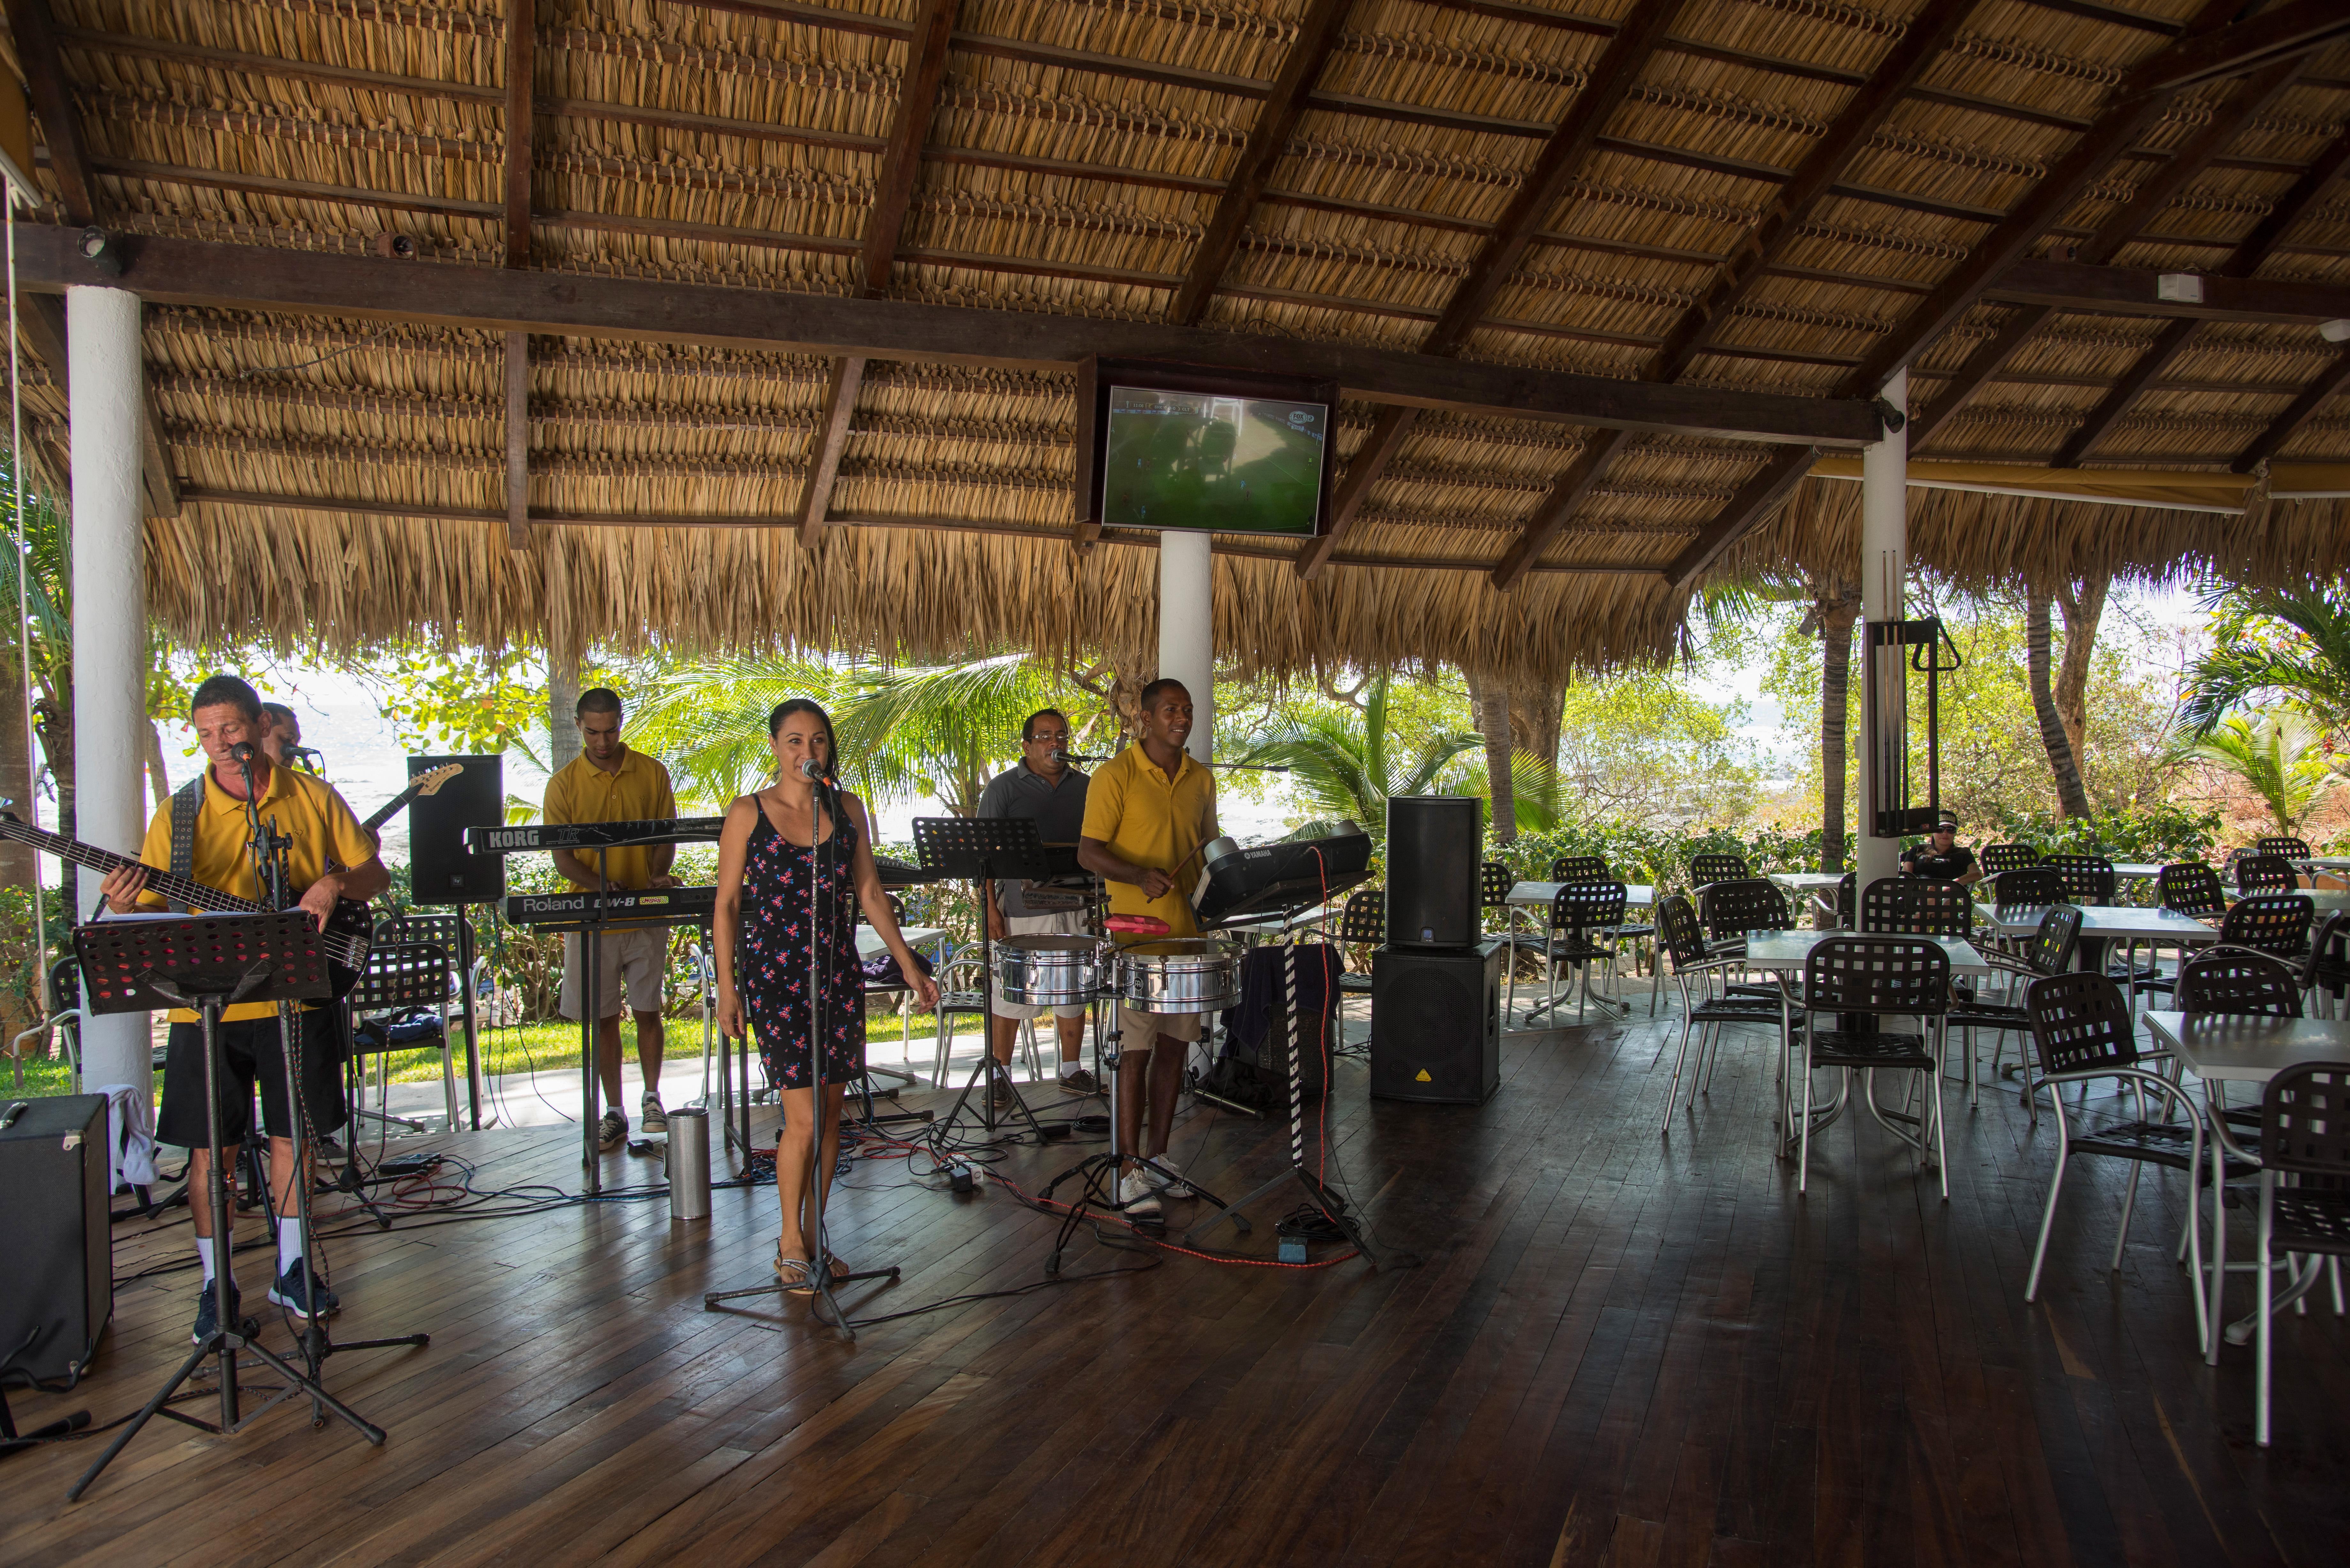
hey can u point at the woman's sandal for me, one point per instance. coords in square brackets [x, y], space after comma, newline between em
[807, 1275]
[798, 1266]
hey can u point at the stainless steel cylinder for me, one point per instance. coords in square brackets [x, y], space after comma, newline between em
[689, 1164]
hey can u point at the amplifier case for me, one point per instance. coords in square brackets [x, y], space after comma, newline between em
[1433, 886]
[1436, 1024]
[440, 867]
[57, 1234]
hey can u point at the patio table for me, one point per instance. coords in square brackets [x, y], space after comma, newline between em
[1540, 896]
[1819, 887]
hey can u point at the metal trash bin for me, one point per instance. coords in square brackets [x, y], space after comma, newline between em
[689, 1164]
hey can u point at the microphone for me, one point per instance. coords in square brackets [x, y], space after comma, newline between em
[810, 768]
[243, 751]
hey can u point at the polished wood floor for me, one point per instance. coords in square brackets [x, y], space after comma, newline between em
[1615, 1347]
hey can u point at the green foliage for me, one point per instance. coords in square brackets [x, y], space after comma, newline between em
[1639, 748]
[1657, 855]
[465, 701]
[2159, 832]
[1343, 763]
[2270, 645]
[2282, 757]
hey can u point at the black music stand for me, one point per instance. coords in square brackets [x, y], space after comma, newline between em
[983, 851]
[207, 962]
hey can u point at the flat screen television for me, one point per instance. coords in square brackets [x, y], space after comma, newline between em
[1212, 463]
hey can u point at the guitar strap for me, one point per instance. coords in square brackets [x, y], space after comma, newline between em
[185, 804]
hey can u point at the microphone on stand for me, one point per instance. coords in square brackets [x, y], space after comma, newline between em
[243, 751]
[820, 772]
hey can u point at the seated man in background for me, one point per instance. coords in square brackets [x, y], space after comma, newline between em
[1942, 856]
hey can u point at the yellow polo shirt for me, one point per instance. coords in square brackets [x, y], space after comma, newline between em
[306, 810]
[637, 791]
[1152, 821]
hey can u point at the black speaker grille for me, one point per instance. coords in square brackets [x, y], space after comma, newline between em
[442, 870]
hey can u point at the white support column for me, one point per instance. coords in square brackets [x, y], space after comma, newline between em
[1187, 629]
[1884, 566]
[109, 622]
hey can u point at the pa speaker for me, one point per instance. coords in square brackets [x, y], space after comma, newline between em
[1433, 842]
[55, 1232]
[441, 869]
[1436, 1024]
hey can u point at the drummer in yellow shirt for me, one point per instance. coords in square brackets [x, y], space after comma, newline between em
[1147, 811]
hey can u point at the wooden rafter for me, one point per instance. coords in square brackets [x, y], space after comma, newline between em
[2140, 291]
[2285, 32]
[517, 378]
[1569, 146]
[521, 35]
[1556, 508]
[1756, 498]
[910, 128]
[2271, 442]
[1363, 470]
[831, 437]
[37, 52]
[1268, 140]
[2243, 262]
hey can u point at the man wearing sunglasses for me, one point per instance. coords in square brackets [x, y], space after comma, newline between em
[1942, 856]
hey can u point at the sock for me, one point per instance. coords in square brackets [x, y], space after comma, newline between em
[204, 1250]
[1071, 1069]
[289, 1245]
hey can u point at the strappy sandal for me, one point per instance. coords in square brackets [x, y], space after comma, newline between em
[807, 1276]
[799, 1266]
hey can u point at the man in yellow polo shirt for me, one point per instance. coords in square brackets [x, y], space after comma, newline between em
[226, 713]
[608, 782]
[1147, 811]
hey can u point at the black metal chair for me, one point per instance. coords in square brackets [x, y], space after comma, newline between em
[2192, 888]
[2049, 952]
[1681, 937]
[2029, 888]
[1916, 907]
[1850, 985]
[1728, 910]
[2265, 874]
[2289, 848]
[2089, 880]
[2238, 980]
[1495, 880]
[2304, 1133]
[1584, 920]
[2083, 1031]
[2326, 975]
[401, 982]
[1995, 859]
[1847, 902]
[1707, 868]
[1580, 868]
[2274, 923]
[1363, 923]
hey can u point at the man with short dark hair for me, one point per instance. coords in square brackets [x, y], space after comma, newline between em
[281, 733]
[1043, 788]
[202, 833]
[611, 782]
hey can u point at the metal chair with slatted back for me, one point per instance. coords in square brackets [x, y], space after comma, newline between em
[2238, 980]
[1708, 869]
[1853, 986]
[2265, 874]
[2288, 848]
[2326, 975]
[2304, 1134]
[454, 934]
[1728, 910]
[1916, 907]
[1580, 868]
[1363, 923]
[1681, 937]
[2049, 952]
[2274, 923]
[2029, 888]
[401, 980]
[1995, 859]
[1495, 880]
[1847, 901]
[1584, 920]
[2192, 888]
[2083, 1031]
[2089, 880]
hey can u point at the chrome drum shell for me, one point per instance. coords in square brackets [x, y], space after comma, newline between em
[1048, 971]
[1179, 974]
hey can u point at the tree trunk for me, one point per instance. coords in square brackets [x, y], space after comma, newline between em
[562, 710]
[1490, 704]
[2072, 800]
[2083, 609]
[19, 867]
[158, 776]
[1837, 617]
[1534, 714]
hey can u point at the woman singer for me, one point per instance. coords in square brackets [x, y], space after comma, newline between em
[795, 865]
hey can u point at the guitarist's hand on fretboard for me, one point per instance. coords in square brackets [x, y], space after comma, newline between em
[122, 887]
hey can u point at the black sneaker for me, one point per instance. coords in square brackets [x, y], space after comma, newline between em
[611, 1129]
[292, 1290]
[1081, 1083]
[999, 1095]
[208, 1312]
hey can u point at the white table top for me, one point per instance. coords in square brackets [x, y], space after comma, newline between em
[868, 940]
[2120, 924]
[1805, 882]
[1783, 952]
[2216, 1045]
[2137, 869]
[1538, 895]
[2325, 862]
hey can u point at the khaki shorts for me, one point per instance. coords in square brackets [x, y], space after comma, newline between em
[639, 957]
[1065, 923]
[1138, 1032]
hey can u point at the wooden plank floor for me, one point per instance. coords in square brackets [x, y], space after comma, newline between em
[1617, 1347]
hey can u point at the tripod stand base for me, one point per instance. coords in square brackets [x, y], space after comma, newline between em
[1332, 1206]
[988, 1065]
[715, 1301]
[1103, 1167]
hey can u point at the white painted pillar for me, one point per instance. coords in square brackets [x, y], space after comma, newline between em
[1884, 566]
[1187, 629]
[109, 623]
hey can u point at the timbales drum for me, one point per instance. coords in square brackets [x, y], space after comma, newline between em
[1182, 974]
[1048, 971]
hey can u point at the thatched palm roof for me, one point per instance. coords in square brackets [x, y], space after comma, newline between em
[1734, 196]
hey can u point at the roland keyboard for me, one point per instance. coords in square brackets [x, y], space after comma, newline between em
[621, 910]
[542, 836]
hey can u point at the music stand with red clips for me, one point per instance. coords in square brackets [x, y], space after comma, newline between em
[139, 964]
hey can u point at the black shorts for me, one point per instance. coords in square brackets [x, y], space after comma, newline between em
[250, 1057]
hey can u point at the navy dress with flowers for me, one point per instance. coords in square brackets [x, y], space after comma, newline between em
[772, 972]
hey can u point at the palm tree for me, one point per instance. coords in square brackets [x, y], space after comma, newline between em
[1831, 609]
[2282, 756]
[1342, 764]
[708, 719]
[2270, 643]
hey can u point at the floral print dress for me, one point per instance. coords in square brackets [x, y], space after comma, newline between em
[772, 972]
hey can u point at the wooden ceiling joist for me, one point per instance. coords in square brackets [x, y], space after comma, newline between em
[909, 128]
[520, 41]
[37, 37]
[518, 434]
[2145, 291]
[2281, 430]
[831, 438]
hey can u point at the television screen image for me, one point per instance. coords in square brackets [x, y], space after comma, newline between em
[1220, 464]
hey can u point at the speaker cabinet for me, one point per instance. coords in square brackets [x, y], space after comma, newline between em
[55, 1234]
[1257, 1031]
[442, 869]
[1433, 842]
[1436, 1024]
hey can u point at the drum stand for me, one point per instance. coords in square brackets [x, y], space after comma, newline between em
[980, 851]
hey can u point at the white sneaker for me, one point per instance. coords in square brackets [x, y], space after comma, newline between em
[1136, 1197]
[649, 1114]
[1167, 1178]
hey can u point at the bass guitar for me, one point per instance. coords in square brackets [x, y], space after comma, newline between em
[349, 930]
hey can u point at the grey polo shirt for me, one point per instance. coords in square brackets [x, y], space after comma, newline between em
[1058, 811]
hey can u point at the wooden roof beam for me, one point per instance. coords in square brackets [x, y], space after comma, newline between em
[37, 38]
[825, 449]
[517, 412]
[2201, 297]
[1755, 501]
[2282, 32]
[910, 128]
[1268, 141]
[522, 42]
[2271, 442]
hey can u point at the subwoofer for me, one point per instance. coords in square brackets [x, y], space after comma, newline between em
[1432, 869]
[55, 1233]
[1436, 1024]
[441, 869]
